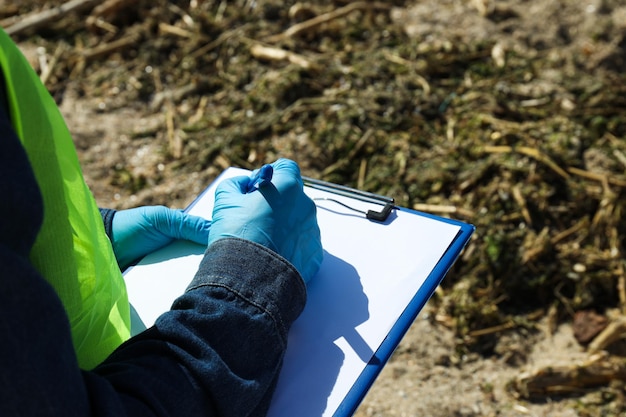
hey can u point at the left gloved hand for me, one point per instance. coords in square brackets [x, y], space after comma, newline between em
[137, 232]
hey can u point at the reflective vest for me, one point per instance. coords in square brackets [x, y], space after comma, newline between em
[72, 251]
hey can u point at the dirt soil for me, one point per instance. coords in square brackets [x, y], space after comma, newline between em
[510, 115]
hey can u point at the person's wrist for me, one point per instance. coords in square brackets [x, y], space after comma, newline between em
[255, 273]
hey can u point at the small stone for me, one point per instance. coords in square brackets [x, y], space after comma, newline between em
[587, 325]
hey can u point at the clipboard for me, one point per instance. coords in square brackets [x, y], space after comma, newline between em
[381, 265]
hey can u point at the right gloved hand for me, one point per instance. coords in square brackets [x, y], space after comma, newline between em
[277, 215]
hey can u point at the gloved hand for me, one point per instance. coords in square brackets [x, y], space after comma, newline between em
[277, 215]
[139, 231]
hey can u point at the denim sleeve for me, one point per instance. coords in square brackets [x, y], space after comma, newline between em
[218, 352]
[107, 219]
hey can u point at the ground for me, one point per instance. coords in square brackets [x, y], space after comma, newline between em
[506, 114]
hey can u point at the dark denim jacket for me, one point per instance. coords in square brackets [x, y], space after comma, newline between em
[218, 351]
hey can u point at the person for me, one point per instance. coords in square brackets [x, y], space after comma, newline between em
[219, 349]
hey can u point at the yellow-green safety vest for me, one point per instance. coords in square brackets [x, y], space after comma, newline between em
[72, 251]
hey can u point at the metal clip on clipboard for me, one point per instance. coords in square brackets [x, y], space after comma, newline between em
[388, 203]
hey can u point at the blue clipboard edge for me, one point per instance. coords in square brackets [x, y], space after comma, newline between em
[365, 381]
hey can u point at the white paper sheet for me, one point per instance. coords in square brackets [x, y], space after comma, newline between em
[371, 271]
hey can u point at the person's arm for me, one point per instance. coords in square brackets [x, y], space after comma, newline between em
[226, 336]
[217, 353]
[219, 350]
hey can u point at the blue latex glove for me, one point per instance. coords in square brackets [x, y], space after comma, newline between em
[139, 231]
[277, 215]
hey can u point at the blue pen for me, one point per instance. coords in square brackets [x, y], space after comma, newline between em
[261, 178]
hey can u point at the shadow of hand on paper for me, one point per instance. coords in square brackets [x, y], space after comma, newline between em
[336, 305]
[151, 294]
